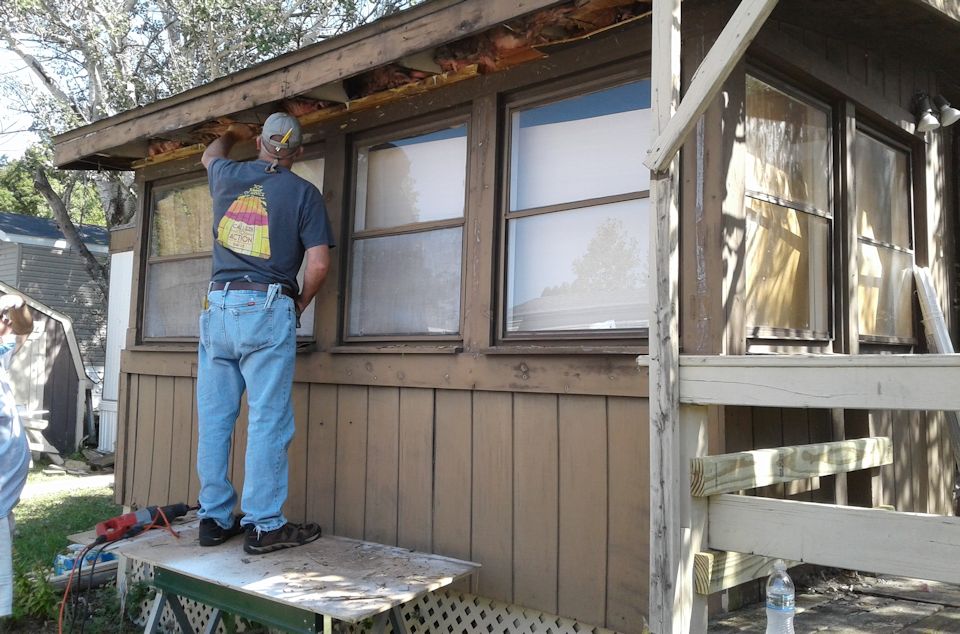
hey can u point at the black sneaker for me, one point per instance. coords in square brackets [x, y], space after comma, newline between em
[212, 534]
[287, 536]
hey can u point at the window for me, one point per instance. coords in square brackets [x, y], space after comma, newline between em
[407, 238]
[577, 216]
[179, 257]
[884, 253]
[790, 237]
[788, 214]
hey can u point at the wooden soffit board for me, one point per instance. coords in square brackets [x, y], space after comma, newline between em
[388, 40]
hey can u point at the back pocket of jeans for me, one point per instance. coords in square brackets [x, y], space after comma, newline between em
[255, 327]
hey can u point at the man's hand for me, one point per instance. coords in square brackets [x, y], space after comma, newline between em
[241, 131]
[221, 147]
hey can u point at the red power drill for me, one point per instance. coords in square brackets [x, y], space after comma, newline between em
[130, 524]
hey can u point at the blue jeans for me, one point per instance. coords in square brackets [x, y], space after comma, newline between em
[247, 341]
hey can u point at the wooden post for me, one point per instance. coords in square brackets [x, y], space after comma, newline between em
[666, 607]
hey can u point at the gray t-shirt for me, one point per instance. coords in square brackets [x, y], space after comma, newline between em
[263, 222]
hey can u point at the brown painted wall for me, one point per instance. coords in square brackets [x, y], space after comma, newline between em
[548, 492]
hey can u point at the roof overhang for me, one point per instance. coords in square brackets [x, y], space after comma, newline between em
[118, 141]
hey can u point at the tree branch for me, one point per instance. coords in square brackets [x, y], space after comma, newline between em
[98, 272]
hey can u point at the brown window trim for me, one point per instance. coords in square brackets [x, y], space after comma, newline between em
[404, 129]
[575, 342]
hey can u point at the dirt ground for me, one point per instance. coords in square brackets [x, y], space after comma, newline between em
[850, 602]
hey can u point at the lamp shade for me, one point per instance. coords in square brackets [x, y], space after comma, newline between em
[948, 114]
[926, 119]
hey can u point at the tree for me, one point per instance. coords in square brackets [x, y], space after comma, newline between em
[95, 58]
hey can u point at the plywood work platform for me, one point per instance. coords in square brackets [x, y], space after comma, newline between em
[302, 589]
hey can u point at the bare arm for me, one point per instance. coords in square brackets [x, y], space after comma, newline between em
[221, 147]
[318, 263]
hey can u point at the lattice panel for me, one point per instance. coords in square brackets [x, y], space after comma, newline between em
[440, 612]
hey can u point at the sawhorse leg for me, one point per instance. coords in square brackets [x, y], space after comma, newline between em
[156, 611]
[396, 620]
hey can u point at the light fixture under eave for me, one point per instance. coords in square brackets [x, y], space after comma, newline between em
[948, 114]
[926, 119]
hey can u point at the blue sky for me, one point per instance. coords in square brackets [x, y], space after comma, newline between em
[13, 143]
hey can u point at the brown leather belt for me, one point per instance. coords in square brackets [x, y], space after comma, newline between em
[250, 286]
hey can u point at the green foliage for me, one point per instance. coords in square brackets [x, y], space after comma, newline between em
[17, 193]
[43, 524]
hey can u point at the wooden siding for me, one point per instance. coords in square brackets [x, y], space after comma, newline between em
[549, 492]
[9, 263]
[60, 390]
[57, 278]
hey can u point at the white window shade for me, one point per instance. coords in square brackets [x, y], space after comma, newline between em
[582, 269]
[420, 179]
[578, 149]
[407, 284]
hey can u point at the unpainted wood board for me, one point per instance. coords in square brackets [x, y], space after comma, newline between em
[346, 579]
[628, 513]
[768, 432]
[493, 465]
[181, 464]
[881, 425]
[716, 570]
[453, 471]
[162, 442]
[414, 499]
[796, 431]
[143, 461]
[582, 539]
[194, 438]
[535, 499]
[383, 465]
[726, 473]
[322, 456]
[818, 422]
[888, 542]
[351, 484]
[295, 507]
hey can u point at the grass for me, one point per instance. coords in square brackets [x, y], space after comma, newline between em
[42, 526]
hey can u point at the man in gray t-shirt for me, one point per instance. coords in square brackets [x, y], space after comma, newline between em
[266, 221]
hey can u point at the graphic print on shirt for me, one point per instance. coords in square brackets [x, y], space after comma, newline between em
[244, 229]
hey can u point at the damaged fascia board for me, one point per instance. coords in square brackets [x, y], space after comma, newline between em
[422, 28]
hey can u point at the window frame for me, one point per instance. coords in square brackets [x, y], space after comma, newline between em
[402, 130]
[148, 206]
[569, 87]
[764, 335]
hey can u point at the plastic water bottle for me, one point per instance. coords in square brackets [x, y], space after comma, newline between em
[780, 600]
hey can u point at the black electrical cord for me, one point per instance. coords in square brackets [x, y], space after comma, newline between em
[86, 601]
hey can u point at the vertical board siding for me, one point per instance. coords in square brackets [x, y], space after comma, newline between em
[162, 441]
[582, 572]
[383, 459]
[628, 513]
[453, 430]
[181, 457]
[492, 541]
[535, 509]
[549, 493]
[295, 508]
[351, 484]
[144, 453]
[415, 470]
[322, 456]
